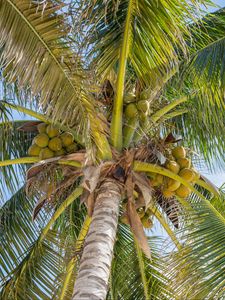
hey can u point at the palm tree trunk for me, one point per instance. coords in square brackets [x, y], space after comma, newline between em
[94, 271]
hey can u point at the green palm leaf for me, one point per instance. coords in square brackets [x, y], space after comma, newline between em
[201, 262]
[127, 277]
[54, 72]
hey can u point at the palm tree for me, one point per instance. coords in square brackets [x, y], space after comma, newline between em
[129, 80]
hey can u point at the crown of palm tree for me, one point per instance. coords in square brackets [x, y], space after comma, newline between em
[79, 66]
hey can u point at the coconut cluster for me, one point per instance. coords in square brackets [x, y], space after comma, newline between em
[179, 164]
[136, 108]
[51, 142]
[145, 216]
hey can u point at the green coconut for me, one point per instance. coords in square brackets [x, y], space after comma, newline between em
[71, 148]
[196, 175]
[129, 97]
[124, 219]
[184, 162]
[34, 150]
[41, 140]
[141, 212]
[131, 111]
[60, 152]
[159, 178]
[167, 194]
[52, 131]
[46, 153]
[55, 144]
[42, 127]
[143, 106]
[173, 166]
[183, 191]
[144, 95]
[187, 174]
[179, 152]
[67, 138]
[146, 222]
[172, 185]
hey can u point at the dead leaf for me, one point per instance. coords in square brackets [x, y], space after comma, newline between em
[143, 184]
[172, 138]
[129, 187]
[90, 204]
[137, 228]
[91, 177]
[38, 207]
[29, 126]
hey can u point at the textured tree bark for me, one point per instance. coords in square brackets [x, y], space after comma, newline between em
[94, 271]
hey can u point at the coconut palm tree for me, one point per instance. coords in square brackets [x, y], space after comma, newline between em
[139, 88]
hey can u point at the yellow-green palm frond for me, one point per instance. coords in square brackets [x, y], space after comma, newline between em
[36, 52]
[155, 34]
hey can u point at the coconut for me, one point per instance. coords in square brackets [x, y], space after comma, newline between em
[124, 219]
[34, 150]
[67, 138]
[159, 178]
[146, 222]
[196, 175]
[129, 97]
[172, 185]
[46, 153]
[55, 144]
[71, 148]
[131, 111]
[173, 166]
[187, 174]
[179, 152]
[167, 193]
[143, 118]
[141, 212]
[144, 95]
[60, 152]
[42, 127]
[52, 131]
[183, 191]
[184, 162]
[143, 106]
[41, 140]
[153, 182]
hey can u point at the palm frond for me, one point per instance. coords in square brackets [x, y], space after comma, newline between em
[155, 33]
[201, 116]
[201, 262]
[41, 59]
[18, 232]
[36, 269]
[207, 47]
[13, 144]
[126, 278]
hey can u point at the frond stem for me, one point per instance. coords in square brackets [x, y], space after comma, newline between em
[42, 118]
[117, 114]
[160, 113]
[163, 222]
